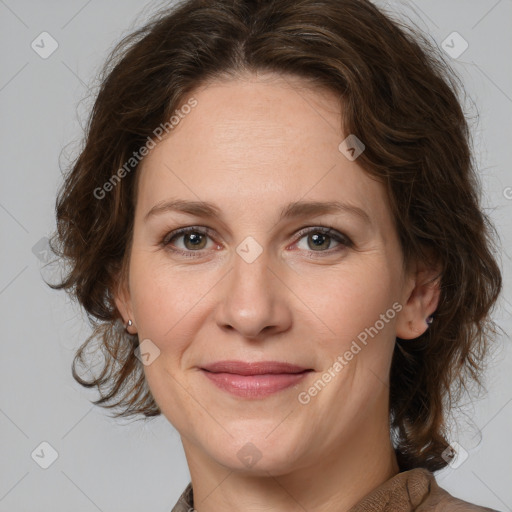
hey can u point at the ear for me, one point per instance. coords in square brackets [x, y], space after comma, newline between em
[123, 302]
[420, 300]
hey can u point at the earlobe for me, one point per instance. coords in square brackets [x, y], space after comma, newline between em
[123, 304]
[421, 300]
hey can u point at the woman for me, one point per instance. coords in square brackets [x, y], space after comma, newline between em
[277, 201]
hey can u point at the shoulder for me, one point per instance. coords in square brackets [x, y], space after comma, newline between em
[439, 500]
[415, 490]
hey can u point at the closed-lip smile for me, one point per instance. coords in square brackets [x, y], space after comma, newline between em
[254, 379]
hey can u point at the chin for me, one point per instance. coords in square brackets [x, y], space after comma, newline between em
[257, 456]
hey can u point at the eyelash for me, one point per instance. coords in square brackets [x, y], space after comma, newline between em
[344, 241]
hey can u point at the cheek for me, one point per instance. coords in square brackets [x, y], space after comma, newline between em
[169, 302]
[160, 297]
[166, 308]
[357, 324]
[346, 300]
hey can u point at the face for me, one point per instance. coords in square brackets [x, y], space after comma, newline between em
[270, 325]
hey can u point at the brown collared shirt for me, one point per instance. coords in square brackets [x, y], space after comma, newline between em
[408, 491]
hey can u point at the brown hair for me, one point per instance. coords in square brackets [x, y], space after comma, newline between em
[399, 97]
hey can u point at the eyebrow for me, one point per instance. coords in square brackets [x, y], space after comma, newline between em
[292, 210]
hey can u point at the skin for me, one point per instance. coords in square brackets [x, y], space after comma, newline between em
[251, 146]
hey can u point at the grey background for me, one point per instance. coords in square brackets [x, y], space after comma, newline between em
[112, 465]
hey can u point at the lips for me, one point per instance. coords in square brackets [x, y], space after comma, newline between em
[256, 368]
[255, 379]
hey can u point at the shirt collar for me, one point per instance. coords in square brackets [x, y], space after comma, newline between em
[407, 491]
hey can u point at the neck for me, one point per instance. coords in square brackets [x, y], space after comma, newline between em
[333, 482]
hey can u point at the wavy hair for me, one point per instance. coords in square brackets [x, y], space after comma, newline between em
[399, 96]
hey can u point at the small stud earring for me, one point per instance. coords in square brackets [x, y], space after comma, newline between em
[128, 324]
[429, 320]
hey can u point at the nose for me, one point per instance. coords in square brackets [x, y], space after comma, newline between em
[253, 300]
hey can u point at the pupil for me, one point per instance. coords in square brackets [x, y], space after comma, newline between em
[318, 238]
[194, 238]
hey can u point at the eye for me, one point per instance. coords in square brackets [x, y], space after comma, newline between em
[319, 239]
[194, 240]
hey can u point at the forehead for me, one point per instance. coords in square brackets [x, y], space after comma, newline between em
[255, 144]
